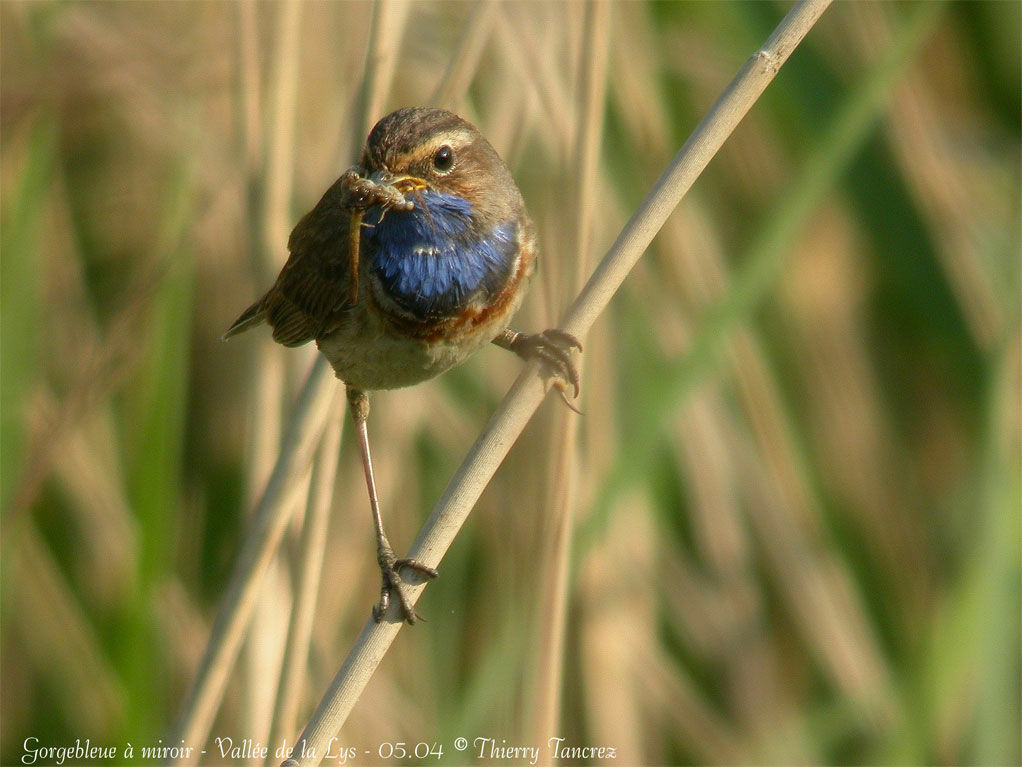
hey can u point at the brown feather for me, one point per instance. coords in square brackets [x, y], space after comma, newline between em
[312, 289]
[252, 316]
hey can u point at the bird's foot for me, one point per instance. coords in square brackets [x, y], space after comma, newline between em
[553, 348]
[394, 585]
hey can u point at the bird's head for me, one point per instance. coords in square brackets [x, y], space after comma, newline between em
[422, 150]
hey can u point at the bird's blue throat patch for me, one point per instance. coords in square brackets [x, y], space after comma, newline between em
[432, 262]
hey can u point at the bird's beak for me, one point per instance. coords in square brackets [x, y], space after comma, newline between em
[401, 182]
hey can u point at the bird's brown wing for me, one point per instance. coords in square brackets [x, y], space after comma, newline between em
[311, 292]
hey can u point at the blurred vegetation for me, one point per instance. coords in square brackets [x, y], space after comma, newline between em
[797, 479]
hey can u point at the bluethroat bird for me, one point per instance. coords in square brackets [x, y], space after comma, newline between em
[414, 259]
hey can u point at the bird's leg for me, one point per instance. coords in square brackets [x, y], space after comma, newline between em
[553, 348]
[390, 565]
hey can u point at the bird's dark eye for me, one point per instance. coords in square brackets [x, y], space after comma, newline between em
[443, 160]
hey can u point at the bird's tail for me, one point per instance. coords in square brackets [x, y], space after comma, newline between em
[252, 316]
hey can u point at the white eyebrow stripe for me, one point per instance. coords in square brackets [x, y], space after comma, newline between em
[456, 138]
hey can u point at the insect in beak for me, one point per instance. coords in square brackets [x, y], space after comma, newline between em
[379, 188]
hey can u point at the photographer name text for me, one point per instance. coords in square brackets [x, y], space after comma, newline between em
[481, 749]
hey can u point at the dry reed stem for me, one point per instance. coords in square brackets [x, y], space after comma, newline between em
[554, 99]
[310, 564]
[268, 523]
[272, 223]
[387, 28]
[615, 627]
[280, 152]
[528, 390]
[549, 669]
[277, 503]
[249, 109]
[462, 65]
[819, 589]
[949, 197]
[247, 57]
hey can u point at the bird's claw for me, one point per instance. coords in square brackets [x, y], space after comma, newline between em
[390, 569]
[553, 348]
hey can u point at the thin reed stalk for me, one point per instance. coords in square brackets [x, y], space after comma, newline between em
[278, 501]
[310, 564]
[548, 672]
[267, 527]
[528, 389]
[386, 30]
[271, 214]
[790, 520]
[463, 63]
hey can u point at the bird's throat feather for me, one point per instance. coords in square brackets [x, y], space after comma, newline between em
[432, 259]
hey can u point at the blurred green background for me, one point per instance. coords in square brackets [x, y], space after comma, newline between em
[793, 500]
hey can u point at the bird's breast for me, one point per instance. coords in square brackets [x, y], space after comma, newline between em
[437, 261]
